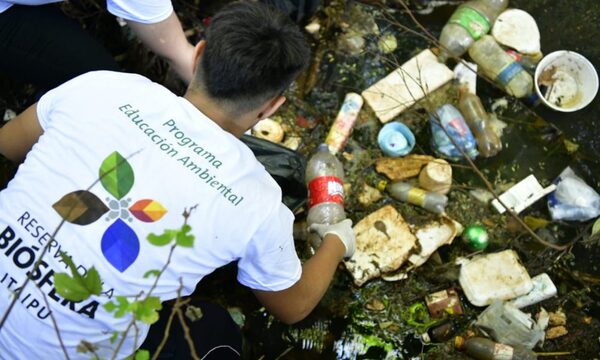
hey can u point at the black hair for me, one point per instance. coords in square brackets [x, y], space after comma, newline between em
[253, 52]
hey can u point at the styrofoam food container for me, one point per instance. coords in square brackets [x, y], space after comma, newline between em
[494, 276]
[574, 81]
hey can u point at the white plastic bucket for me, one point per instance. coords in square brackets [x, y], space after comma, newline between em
[571, 81]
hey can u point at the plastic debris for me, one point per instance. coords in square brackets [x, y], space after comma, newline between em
[573, 198]
[395, 139]
[466, 74]
[522, 195]
[9, 115]
[343, 123]
[448, 117]
[507, 324]
[443, 302]
[436, 176]
[269, 130]
[543, 288]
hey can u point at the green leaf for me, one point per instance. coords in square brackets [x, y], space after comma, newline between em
[147, 310]
[116, 175]
[92, 281]
[142, 355]
[596, 227]
[70, 288]
[67, 260]
[184, 238]
[161, 240]
[153, 272]
[114, 336]
[121, 308]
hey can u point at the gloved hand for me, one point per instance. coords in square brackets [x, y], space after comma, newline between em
[343, 230]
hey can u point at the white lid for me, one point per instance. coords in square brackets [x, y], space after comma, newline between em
[517, 29]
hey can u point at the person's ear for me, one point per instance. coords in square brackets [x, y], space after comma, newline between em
[198, 50]
[271, 107]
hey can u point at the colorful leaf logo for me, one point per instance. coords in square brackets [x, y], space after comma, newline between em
[120, 245]
[116, 175]
[80, 207]
[147, 210]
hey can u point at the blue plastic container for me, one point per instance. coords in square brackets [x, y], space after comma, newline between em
[395, 139]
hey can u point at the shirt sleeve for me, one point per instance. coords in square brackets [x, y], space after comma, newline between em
[271, 262]
[142, 11]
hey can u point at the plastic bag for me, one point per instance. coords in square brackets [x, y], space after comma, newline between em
[452, 120]
[573, 198]
[286, 166]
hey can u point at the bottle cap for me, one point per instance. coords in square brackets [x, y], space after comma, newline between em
[395, 139]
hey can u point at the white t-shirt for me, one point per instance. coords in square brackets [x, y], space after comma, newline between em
[146, 12]
[168, 157]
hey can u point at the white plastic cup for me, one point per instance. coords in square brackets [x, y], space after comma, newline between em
[572, 66]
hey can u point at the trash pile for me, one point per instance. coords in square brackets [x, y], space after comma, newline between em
[394, 160]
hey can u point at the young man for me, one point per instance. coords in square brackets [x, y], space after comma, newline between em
[156, 154]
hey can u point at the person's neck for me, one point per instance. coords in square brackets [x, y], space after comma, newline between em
[213, 111]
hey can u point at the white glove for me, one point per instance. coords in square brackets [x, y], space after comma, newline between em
[343, 230]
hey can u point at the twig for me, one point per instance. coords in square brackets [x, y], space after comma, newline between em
[178, 304]
[186, 214]
[186, 334]
[557, 353]
[55, 326]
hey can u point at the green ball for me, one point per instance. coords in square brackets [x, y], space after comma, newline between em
[476, 237]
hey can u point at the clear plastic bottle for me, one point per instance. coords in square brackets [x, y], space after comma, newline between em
[477, 118]
[324, 176]
[485, 349]
[501, 67]
[467, 24]
[428, 200]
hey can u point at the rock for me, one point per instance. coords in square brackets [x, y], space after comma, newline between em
[558, 318]
[369, 195]
[402, 168]
[555, 332]
[375, 305]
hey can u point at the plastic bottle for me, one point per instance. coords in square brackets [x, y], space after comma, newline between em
[467, 24]
[477, 118]
[441, 332]
[428, 200]
[501, 67]
[324, 174]
[528, 62]
[485, 349]
[344, 121]
[449, 118]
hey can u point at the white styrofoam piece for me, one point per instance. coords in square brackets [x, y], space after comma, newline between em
[466, 73]
[543, 288]
[517, 29]
[406, 85]
[522, 195]
[494, 276]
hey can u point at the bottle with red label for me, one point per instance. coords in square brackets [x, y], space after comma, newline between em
[324, 176]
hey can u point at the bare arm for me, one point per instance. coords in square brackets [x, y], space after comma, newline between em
[18, 135]
[295, 303]
[166, 39]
